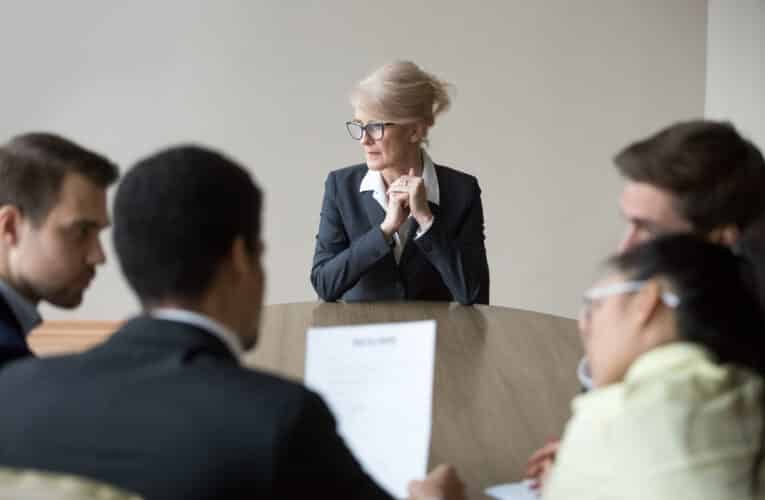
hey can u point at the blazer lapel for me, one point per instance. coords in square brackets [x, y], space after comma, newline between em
[410, 244]
[434, 209]
[375, 212]
[409, 249]
[11, 334]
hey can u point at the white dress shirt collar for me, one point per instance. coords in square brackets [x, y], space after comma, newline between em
[206, 323]
[373, 181]
[430, 179]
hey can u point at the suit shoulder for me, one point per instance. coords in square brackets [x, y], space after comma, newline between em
[350, 170]
[28, 369]
[349, 174]
[346, 179]
[454, 181]
[291, 403]
[454, 175]
[279, 388]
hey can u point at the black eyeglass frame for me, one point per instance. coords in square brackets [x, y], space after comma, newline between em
[365, 129]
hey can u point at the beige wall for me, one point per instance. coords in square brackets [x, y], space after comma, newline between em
[546, 92]
[736, 65]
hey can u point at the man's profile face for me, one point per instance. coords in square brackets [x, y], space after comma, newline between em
[649, 212]
[56, 260]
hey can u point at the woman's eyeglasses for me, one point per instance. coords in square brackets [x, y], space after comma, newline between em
[375, 130]
[597, 294]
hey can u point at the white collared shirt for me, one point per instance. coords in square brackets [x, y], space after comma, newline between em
[207, 324]
[373, 181]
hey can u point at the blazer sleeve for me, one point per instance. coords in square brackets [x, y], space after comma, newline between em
[338, 262]
[317, 463]
[461, 260]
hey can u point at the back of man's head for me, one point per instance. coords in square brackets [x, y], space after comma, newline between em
[716, 176]
[176, 216]
[33, 167]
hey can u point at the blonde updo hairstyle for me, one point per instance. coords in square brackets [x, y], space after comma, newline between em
[401, 92]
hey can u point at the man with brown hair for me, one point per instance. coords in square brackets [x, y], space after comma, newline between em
[52, 209]
[698, 176]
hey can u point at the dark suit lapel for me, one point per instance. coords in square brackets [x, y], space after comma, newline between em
[435, 209]
[410, 249]
[375, 212]
[11, 334]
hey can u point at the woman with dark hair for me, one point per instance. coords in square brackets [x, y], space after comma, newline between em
[676, 344]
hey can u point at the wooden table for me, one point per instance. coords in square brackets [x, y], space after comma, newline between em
[504, 378]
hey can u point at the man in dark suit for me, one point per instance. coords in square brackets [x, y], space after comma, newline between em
[356, 255]
[52, 209]
[164, 408]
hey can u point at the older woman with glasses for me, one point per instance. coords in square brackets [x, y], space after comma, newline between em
[676, 344]
[399, 227]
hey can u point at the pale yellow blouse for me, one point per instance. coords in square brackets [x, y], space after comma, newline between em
[19, 484]
[679, 427]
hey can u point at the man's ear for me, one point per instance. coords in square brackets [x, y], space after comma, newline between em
[725, 235]
[241, 258]
[10, 225]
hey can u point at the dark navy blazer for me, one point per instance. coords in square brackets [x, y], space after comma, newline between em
[165, 410]
[353, 261]
[13, 344]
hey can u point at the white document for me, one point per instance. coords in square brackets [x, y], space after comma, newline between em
[513, 491]
[378, 382]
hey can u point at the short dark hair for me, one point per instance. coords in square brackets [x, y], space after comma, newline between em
[718, 306]
[33, 167]
[176, 216]
[717, 176]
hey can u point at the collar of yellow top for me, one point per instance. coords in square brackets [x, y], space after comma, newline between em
[663, 363]
[670, 358]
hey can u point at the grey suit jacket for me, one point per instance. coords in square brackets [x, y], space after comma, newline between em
[353, 262]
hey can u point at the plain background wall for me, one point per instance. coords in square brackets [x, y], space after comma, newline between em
[546, 93]
[736, 65]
